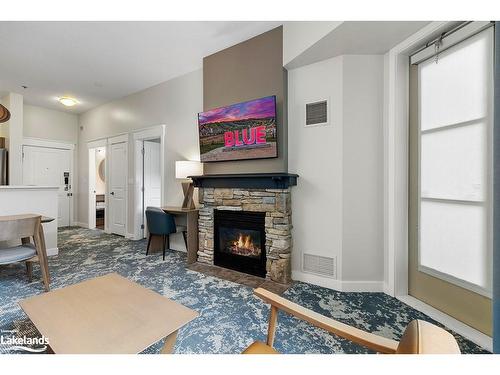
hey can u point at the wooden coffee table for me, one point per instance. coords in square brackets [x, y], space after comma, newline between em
[108, 314]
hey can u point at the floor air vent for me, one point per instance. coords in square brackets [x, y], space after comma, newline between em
[324, 266]
[317, 113]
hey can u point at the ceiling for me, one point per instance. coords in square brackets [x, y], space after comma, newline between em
[96, 62]
[358, 38]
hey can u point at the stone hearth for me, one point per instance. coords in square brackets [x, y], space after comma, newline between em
[276, 203]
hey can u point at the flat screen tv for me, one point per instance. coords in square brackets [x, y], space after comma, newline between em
[239, 131]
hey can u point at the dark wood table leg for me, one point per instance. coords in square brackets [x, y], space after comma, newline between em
[192, 236]
[156, 245]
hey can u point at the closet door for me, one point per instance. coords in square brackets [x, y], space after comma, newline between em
[151, 178]
[118, 163]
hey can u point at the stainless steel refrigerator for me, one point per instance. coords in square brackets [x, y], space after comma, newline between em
[3, 166]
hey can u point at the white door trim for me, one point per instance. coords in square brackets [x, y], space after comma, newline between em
[91, 222]
[396, 130]
[28, 141]
[396, 72]
[98, 143]
[118, 139]
[152, 132]
[91, 188]
[38, 142]
[123, 138]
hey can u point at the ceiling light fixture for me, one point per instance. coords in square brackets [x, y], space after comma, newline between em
[67, 101]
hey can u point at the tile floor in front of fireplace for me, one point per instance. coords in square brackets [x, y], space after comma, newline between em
[230, 316]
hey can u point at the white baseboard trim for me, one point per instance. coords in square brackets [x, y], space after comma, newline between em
[80, 224]
[340, 285]
[463, 329]
[52, 251]
[131, 236]
[316, 280]
[362, 286]
[387, 289]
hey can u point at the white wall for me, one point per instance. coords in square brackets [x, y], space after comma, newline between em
[49, 124]
[16, 200]
[315, 154]
[298, 36]
[338, 203]
[174, 103]
[363, 218]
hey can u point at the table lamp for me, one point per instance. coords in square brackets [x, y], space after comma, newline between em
[183, 169]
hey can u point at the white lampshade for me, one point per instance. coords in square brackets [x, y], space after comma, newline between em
[185, 168]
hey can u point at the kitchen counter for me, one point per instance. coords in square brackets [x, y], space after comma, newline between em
[27, 187]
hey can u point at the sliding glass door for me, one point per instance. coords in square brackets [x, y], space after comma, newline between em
[451, 97]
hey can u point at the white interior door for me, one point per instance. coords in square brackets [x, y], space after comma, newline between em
[45, 166]
[118, 188]
[152, 177]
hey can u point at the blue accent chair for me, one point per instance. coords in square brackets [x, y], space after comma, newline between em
[160, 224]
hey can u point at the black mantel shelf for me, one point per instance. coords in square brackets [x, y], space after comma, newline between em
[246, 180]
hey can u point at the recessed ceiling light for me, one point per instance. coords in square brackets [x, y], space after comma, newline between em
[67, 101]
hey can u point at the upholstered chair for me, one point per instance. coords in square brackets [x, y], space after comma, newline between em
[161, 224]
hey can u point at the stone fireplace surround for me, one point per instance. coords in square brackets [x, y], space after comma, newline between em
[269, 193]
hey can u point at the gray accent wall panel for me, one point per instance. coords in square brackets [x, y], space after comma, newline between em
[249, 70]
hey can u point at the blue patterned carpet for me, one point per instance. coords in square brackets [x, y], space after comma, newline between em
[230, 316]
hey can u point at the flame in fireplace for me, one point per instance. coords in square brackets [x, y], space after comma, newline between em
[244, 241]
[244, 246]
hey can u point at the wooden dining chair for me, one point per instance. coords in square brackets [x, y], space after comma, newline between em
[420, 337]
[24, 228]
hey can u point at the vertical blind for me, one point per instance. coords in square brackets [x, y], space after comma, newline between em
[455, 113]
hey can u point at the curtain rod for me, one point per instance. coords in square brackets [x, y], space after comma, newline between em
[443, 35]
[448, 39]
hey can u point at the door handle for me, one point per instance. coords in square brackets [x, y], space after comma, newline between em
[112, 193]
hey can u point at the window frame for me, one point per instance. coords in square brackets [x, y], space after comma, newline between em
[488, 197]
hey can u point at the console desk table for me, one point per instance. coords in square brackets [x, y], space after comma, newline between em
[191, 215]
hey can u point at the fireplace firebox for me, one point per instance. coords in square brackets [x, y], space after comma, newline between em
[240, 241]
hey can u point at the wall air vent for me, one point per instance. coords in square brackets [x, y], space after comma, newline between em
[324, 266]
[317, 113]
